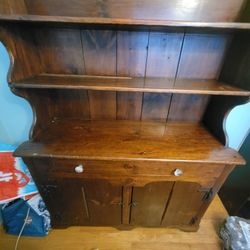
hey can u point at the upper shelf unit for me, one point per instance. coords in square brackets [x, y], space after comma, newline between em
[228, 14]
[130, 84]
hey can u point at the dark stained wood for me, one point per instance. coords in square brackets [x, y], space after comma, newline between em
[186, 200]
[140, 9]
[131, 53]
[202, 55]
[116, 23]
[100, 59]
[129, 140]
[102, 105]
[13, 7]
[162, 61]
[104, 202]
[131, 61]
[131, 84]
[187, 107]
[99, 52]
[163, 54]
[59, 196]
[75, 104]
[128, 92]
[60, 50]
[126, 171]
[129, 106]
[126, 204]
[148, 203]
[155, 106]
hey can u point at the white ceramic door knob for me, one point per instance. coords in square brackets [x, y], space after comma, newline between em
[79, 169]
[178, 172]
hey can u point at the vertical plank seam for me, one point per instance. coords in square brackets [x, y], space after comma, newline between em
[131, 200]
[145, 74]
[176, 73]
[83, 56]
[180, 56]
[126, 200]
[85, 71]
[167, 203]
[116, 68]
[85, 202]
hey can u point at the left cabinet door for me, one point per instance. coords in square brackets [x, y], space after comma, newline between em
[64, 200]
[77, 201]
[83, 202]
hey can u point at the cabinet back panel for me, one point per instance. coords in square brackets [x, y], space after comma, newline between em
[202, 55]
[170, 55]
[131, 53]
[60, 50]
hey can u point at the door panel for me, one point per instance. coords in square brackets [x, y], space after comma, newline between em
[185, 202]
[65, 203]
[83, 202]
[104, 202]
[149, 203]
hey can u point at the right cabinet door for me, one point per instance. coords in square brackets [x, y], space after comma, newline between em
[166, 204]
[149, 203]
[185, 202]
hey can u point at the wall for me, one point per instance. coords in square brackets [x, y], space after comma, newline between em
[238, 125]
[15, 113]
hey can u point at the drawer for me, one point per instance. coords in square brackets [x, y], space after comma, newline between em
[169, 171]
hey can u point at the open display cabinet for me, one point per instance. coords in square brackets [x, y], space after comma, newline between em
[129, 102]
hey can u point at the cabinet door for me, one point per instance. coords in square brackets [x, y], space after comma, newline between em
[65, 202]
[166, 204]
[103, 201]
[149, 203]
[83, 202]
[185, 203]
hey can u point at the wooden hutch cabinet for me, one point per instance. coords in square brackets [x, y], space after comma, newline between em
[129, 101]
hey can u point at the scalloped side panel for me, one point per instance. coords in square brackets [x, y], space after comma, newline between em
[216, 114]
[24, 61]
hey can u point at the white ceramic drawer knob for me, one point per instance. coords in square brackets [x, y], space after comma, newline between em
[178, 172]
[79, 169]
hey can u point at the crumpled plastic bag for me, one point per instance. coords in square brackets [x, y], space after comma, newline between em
[236, 233]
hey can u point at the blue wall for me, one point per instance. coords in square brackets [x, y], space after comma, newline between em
[16, 114]
[238, 125]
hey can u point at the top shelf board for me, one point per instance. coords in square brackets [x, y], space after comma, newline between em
[129, 84]
[97, 21]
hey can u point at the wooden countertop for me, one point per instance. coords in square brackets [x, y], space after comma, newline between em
[129, 140]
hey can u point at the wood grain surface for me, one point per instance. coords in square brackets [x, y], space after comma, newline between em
[131, 84]
[129, 140]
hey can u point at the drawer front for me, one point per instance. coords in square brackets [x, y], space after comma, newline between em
[154, 170]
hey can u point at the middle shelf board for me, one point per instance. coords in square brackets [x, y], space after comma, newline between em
[130, 84]
[129, 141]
